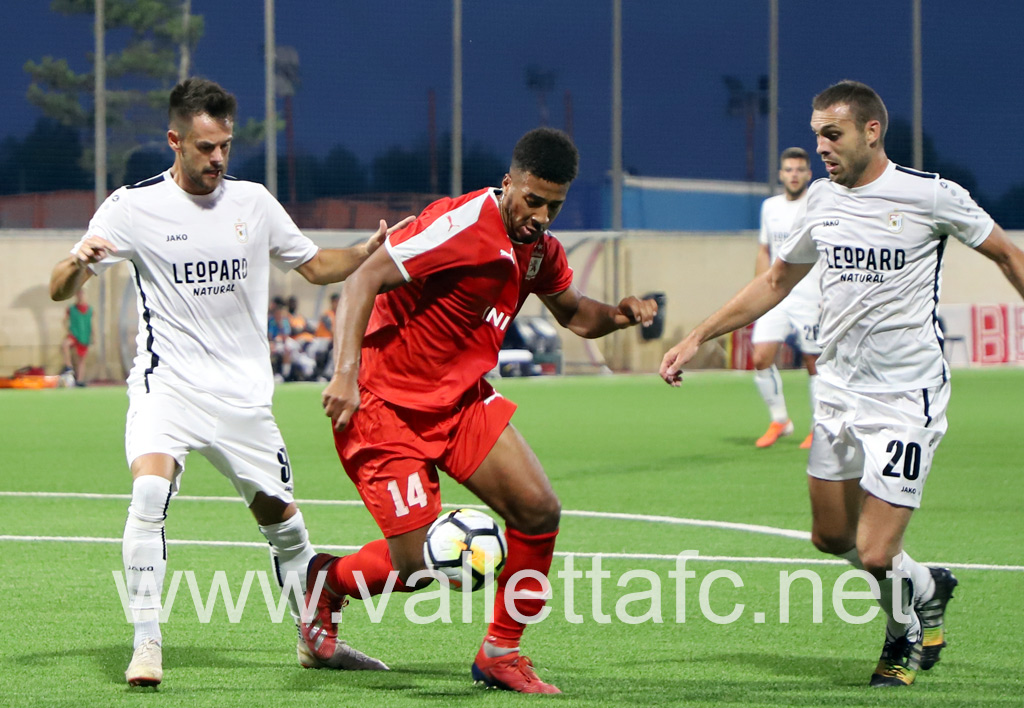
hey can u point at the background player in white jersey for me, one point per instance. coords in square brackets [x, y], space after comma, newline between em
[798, 312]
[883, 384]
[200, 245]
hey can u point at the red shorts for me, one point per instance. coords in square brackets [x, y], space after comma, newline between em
[392, 454]
[80, 349]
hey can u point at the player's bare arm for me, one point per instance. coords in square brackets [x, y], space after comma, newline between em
[332, 265]
[1006, 255]
[340, 398]
[71, 273]
[763, 260]
[760, 295]
[590, 319]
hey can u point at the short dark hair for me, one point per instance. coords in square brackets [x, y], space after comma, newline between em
[547, 153]
[795, 153]
[864, 103]
[193, 97]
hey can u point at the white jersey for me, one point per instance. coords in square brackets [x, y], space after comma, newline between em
[201, 271]
[777, 216]
[882, 244]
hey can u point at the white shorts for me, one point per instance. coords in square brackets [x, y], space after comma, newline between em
[792, 315]
[243, 443]
[887, 440]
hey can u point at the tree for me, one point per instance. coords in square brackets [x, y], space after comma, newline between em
[253, 167]
[1009, 210]
[401, 170]
[899, 147]
[47, 159]
[341, 173]
[139, 76]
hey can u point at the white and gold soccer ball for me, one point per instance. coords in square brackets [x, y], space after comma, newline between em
[467, 546]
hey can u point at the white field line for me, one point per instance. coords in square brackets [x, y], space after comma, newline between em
[673, 520]
[574, 554]
[681, 521]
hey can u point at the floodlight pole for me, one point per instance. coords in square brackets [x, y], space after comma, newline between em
[269, 96]
[616, 115]
[455, 188]
[773, 95]
[918, 118]
[185, 61]
[100, 162]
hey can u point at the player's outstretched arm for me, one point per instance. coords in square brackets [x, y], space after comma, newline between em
[760, 295]
[1006, 255]
[332, 265]
[71, 273]
[589, 318]
[763, 260]
[340, 398]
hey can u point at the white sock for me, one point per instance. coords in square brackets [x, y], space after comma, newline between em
[769, 384]
[921, 577]
[144, 552]
[893, 627]
[290, 552]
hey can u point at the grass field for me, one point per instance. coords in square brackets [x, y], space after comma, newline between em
[644, 472]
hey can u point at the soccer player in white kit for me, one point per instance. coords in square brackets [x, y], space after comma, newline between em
[200, 245]
[798, 313]
[883, 384]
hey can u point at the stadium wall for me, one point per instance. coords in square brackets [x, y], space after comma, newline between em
[697, 271]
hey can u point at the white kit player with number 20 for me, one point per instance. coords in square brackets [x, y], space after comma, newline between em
[881, 231]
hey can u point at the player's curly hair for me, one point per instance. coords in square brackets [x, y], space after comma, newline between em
[864, 103]
[194, 96]
[547, 153]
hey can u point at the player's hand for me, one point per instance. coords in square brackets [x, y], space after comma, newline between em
[382, 232]
[677, 357]
[341, 399]
[637, 311]
[93, 250]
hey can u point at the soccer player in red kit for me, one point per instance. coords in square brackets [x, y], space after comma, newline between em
[408, 395]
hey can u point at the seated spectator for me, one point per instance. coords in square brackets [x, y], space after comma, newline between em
[322, 346]
[279, 333]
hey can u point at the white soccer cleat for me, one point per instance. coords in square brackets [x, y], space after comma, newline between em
[146, 667]
[345, 658]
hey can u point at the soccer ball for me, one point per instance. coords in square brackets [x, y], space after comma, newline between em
[465, 536]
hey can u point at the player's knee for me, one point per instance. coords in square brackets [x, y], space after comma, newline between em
[875, 561]
[540, 515]
[409, 566]
[830, 542]
[762, 359]
[151, 495]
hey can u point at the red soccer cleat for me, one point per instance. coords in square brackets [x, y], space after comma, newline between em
[511, 672]
[320, 633]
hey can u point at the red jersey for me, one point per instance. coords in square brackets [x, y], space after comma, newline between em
[430, 340]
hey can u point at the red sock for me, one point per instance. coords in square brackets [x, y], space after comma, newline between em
[524, 553]
[372, 560]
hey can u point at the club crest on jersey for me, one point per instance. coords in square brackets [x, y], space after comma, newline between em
[895, 222]
[536, 258]
[241, 233]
